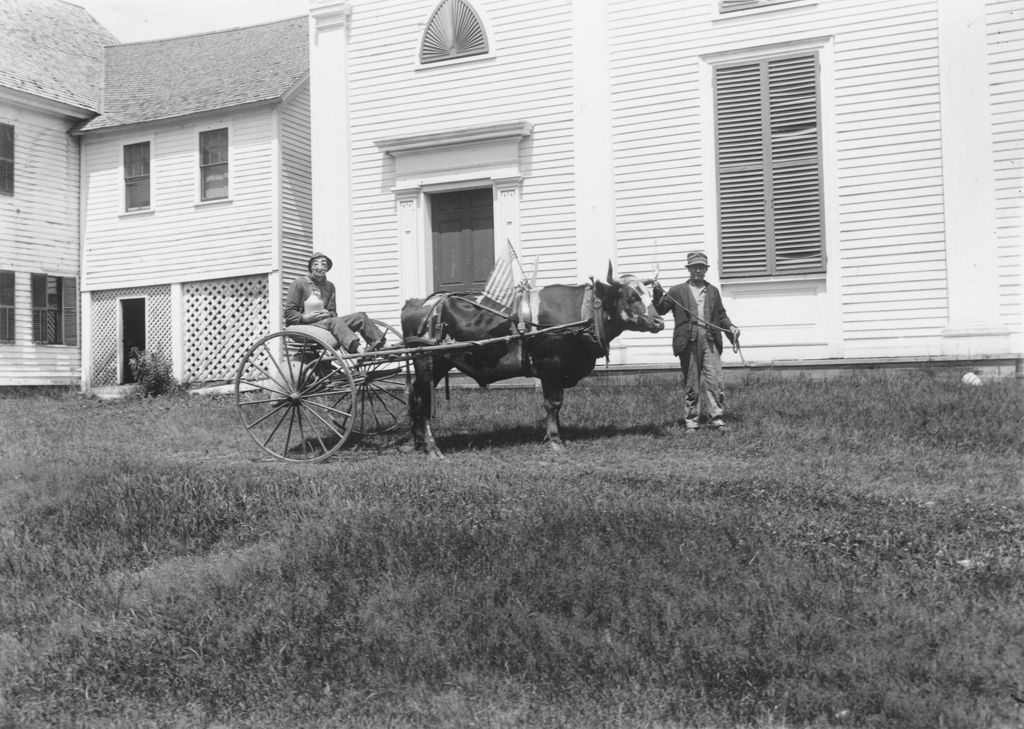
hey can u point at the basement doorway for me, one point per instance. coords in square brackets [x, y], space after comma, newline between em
[133, 334]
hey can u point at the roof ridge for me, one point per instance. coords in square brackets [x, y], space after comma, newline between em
[210, 32]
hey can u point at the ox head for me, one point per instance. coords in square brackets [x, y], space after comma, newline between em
[628, 303]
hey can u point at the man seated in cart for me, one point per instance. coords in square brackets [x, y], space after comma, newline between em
[311, 300]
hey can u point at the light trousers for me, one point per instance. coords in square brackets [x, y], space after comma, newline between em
[701, 365]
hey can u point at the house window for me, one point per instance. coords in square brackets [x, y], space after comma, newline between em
[6, 159]
[768, 153]
[733, 6]
[136, 176]
[213, 164]
[54, 309]
[6, 306]
[453, 31]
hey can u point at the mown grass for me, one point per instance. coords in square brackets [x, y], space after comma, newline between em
[851, 554]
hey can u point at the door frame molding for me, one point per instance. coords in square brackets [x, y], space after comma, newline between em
[459, 159]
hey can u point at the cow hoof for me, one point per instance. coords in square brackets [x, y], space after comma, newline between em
[557, 446]
[435, 455]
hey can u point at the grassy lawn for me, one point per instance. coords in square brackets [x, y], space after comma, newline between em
[851, 554]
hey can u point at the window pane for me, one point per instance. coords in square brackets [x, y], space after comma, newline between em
[136, 176]
[215, 182]
[213, 147]
[6, 141]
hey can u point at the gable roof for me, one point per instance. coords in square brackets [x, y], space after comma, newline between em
[174, 77]
[54, 50]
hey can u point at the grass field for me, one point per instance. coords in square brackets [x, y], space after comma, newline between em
[851, 554]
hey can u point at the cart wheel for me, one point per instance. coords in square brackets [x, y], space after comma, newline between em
[381, 381]
[296, 396]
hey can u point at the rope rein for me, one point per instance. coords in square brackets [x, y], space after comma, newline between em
[700, 320]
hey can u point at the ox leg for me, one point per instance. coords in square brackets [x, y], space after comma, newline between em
[553, 393]
[421, 407]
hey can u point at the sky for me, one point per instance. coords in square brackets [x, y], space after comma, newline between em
[141, 20]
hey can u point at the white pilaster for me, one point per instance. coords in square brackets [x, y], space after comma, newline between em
[413, 266]
[331, 157]
[594, 172]
[178, 331]
[506, 219]
[974, 326]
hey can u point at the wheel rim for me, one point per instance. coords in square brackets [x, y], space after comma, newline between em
[296, 398]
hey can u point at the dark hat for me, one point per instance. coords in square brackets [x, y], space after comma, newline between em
[309, 263]
[696, 258]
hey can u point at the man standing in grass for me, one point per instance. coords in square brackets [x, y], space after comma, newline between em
[311, 300]
[700, 320]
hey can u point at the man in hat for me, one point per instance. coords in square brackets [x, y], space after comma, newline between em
[311, 300]
[700, 321]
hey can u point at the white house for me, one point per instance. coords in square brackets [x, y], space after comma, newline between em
[196, 198]
[51, 61]
[852, 167]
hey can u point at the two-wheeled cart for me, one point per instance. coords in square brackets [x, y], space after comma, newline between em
[300, 398]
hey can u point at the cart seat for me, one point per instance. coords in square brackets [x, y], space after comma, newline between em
[320, 334]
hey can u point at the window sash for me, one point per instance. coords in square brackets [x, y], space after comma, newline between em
[768, 153]
[7, 281]
[213, 164]
[54, 309]
[6, 159]
[136, 176]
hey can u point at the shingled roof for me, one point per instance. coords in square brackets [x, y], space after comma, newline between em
[52, 49]
[170, 78]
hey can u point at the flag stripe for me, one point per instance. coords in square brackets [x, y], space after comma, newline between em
[500, 287]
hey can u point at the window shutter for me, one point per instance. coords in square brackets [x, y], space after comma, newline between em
[69, 315]
[39, 307]
[7, 306]
[454, 30]
[6, 159]
[743, 219]
[796, 164]
[768, 152]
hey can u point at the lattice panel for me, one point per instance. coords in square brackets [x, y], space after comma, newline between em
[105, 314]
[222, 320]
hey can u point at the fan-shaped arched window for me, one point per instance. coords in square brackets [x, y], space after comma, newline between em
[453, 31]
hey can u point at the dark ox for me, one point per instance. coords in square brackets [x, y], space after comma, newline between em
[559, 358]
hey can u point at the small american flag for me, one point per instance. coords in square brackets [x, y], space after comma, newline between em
[500, 288]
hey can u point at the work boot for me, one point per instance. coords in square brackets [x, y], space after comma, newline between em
[376, 344]
[353, 347]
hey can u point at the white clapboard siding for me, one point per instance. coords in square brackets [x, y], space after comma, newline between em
[39, 234]
[1005, 23]
[529, 78]
[180, 239]
[296, 187]
[884, 166]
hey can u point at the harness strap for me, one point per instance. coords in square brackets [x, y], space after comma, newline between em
[591, 310]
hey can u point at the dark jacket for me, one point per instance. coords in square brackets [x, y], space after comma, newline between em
[294, 302]
[681, 303]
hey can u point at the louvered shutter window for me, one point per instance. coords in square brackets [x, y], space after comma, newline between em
[453, 31]
[768, 150]
[69, 310]
[6, 159]
[6, 306]
[733, 6]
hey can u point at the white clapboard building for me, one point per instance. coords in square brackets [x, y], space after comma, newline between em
[51, 61]
[196, 199]
[851, 167]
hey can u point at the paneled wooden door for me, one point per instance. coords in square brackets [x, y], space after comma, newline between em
[463, 239]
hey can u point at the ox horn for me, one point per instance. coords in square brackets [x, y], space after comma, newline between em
[654, 275]
[611, 278]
